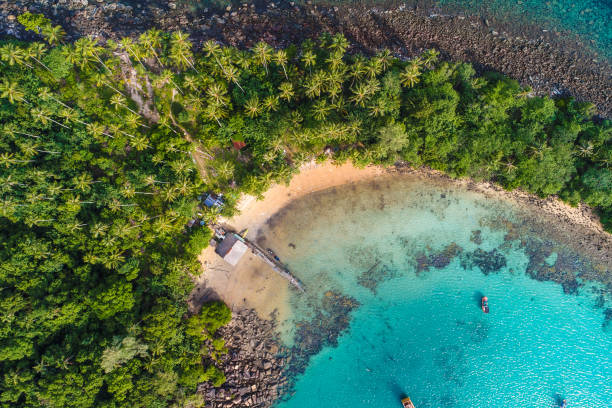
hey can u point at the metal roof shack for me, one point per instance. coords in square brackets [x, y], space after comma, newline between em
[231, 249]
[213, 200]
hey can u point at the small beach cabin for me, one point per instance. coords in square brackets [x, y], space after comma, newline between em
[231, 249]
[214, 200]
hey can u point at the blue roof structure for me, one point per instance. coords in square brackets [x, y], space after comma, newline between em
[213, 200]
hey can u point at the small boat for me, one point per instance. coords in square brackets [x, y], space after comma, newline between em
[484, 304]
[407, 403]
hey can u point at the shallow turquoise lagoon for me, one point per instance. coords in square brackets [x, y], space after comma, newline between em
[412, 255]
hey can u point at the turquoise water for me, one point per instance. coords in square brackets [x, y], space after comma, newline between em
[411, 255]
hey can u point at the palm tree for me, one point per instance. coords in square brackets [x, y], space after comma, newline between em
[410, 76]
[309, 59]
[45, 94]
[509, 166]
[586, 151]
[360, 94]
[525, 93]
[119, 100]
[243, 60]
[286, 91]
[231, 74]
[334, 60]
[140, 143]
[264, 53]
[35, 51]
[13, 55]
[82, 182]
[133, 121]
[377, 108]
[358, 68]
[373, 68]
[271, 102]
[212, 49]
[100, 79]
[225, 170]
[96, 129]
[218, 93]
[216, 112]
[320, 109]
[314, 84]
[430, 57]
[151, 40]
[252, 107]
[190, 82]
[53, 35]
[42, 116]
[281, 59]
[11, 91]
[128, 45]
[180, 50]
[90, 48]
[385, 59]
[339, 43]
[98, 230]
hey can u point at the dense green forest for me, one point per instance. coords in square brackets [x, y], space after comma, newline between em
[106, 147]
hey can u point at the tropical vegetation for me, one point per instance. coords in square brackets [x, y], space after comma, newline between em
[106, 149]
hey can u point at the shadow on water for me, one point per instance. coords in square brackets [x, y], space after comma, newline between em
[477, 298]
[558, 399]
[397, 390]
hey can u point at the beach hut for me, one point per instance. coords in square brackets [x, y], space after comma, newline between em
[231, 249]
[214, 200]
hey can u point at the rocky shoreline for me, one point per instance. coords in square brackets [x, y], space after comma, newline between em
[254, 364]
[550, 62]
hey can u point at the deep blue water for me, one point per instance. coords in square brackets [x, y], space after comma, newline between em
[419, 331]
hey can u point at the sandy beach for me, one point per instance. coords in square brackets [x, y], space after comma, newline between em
[252, 284]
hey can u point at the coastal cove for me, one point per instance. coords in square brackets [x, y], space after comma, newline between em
[383, 251]
[190, 224]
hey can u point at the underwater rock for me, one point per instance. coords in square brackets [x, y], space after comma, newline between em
[438, 260]
[375, 276]
[487, 261]
[324, 329]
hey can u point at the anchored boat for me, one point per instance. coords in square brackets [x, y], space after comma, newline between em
[407, 403]
[484, 303]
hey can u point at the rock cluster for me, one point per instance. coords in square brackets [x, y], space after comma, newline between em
[551, 62]
[254, 364]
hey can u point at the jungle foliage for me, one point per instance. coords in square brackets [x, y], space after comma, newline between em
[105, 149]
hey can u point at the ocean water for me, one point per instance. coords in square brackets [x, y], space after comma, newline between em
[395, 270]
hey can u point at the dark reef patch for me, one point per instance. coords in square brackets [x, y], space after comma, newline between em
[565, 271]
[376, 275]
[487, 261]
[476, 237]
[437, 260]
[330, 320]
